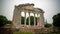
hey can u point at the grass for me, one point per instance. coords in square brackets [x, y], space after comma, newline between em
[36, 33]
[22, 33]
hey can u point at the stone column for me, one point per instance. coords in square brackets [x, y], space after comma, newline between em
[29, 18]
[20, 17]
[25, 19]
[37, 19]
[34, 20]
[42, 19]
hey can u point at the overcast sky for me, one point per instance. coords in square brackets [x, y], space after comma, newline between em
[51, 7]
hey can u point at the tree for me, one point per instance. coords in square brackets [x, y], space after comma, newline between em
[8, 22]
[31, 20]
[48, 25]
[22, 19]
[3, 20]
[56, 20]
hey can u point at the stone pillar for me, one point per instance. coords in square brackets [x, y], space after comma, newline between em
[42, 19]
[37, 19]
[34, 20]
[29, 18]
[20, 17]
[25, 19]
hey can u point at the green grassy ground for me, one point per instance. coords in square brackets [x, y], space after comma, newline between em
[35, 33]
[22, 32]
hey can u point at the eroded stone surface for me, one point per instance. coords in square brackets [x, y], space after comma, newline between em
[30, 9]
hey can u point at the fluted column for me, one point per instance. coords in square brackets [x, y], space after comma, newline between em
[29, 18]
[25, 19]
[34, 20]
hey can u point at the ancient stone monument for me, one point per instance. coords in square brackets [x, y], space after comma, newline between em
[27, 8]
